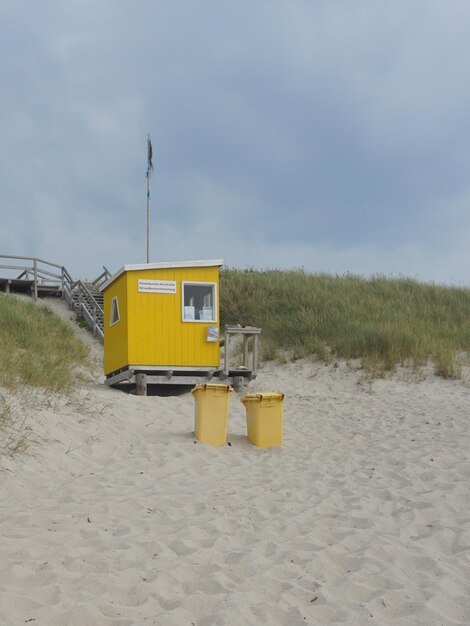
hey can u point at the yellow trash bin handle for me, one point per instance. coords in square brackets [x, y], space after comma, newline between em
[212, 386]
[264, 396]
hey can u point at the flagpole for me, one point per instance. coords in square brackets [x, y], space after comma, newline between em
[148, 216]
[149, 169]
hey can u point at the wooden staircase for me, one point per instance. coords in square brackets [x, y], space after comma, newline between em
[87, 302]
[42, 278]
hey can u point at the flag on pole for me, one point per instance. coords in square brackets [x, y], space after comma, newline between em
[149, 171]
[149, 156]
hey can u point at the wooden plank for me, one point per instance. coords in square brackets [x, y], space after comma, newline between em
[255, 355]
[119, 377]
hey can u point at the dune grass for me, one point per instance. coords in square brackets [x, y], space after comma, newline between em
[15, 435]
[37, 348]
[384, 322]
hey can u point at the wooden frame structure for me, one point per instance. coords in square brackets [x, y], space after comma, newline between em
[43, 278]
[161, 326]
[39, 278]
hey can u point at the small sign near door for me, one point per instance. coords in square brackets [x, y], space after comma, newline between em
[212, 334]
[157, 286]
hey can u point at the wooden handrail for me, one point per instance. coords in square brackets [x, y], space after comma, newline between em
[30, 258]
[87, 306]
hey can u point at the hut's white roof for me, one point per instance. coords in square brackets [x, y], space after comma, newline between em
[160, 266]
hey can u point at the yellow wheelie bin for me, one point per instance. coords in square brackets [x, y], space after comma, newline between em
[264, 418]
[211, 415]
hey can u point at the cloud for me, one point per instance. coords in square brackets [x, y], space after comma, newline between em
[328, 135]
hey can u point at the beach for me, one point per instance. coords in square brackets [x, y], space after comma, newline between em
[115, 515]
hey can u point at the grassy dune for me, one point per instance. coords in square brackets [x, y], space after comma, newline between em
[36, 347]
[384, 322]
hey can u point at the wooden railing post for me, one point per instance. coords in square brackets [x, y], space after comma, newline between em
[245, 350]
[255, 354]
[35, 266]
[226, 352]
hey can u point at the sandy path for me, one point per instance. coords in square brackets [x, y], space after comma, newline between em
[362, 517]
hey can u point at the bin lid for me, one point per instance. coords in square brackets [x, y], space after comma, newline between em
[263, 396]
[214, 386]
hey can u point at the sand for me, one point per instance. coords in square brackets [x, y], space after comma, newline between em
[114, 515]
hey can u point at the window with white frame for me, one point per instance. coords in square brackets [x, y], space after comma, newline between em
[114, 317]
[199, 302]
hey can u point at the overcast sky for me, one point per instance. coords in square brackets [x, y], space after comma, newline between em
[333, 134]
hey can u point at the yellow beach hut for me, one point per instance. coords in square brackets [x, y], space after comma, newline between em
[161, 324]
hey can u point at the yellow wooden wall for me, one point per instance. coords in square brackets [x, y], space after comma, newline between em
[116, 353]
[151, 330]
